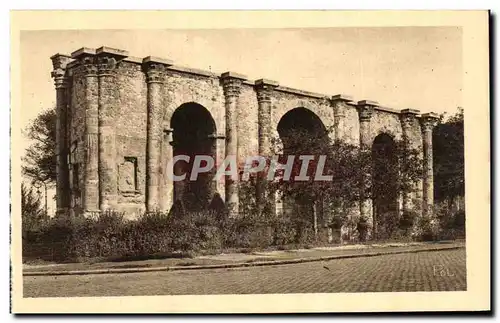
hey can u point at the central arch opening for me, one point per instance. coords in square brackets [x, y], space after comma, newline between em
[302, 132]
[384, 185]
[193, 134]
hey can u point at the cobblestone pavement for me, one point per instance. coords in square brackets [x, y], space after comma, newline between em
[423, 271]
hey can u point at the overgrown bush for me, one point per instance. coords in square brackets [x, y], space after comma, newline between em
[388, 224]
[427, 229]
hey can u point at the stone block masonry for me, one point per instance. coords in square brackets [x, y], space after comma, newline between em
[121, 119]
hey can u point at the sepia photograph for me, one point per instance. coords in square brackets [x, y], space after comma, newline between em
[299, 160]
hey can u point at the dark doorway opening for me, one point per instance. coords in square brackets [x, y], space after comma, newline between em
[193, 134]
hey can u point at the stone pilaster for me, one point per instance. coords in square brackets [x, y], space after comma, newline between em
[88, 67]
[220, 144]
[408, 119]
[154, 69]
[107, 61]
[365, 112]
[167, 187]
[339, 103]
[59, 75]
[231, 83]
[178, 170]
[264, 89]
[428, 122]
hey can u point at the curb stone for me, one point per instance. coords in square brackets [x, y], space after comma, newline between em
[230, 265]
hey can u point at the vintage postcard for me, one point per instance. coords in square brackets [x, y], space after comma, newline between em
[250, 162]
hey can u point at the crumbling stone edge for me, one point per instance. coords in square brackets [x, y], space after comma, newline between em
[231, 265]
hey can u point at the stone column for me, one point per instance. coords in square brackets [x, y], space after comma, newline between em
[365, 111]
[154, 68]
[428, 122]
[231, 83]
[107, 60]
[408, 125]
[59, 63]
[91, 176]
[265, 89]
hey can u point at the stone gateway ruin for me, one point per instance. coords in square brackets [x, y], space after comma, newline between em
[121, 119]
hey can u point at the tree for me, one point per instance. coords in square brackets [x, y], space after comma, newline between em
[448, 152]
[32, 212]
[40, 160]
[351, 168]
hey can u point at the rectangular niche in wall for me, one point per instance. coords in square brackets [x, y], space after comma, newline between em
[128, 175]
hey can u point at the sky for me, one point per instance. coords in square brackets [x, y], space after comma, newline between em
[408, 67]
[399, 67]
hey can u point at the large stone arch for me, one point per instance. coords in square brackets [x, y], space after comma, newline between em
[321, 108]
[308, 124]
[193, 134]
[385, 123]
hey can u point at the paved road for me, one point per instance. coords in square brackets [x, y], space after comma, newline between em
[424, 271]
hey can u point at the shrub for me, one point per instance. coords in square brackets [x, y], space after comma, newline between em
[407, 220]
[427, 229]
[248, 231]
[387, 224]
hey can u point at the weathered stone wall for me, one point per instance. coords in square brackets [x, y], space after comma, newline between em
[121, 89]
[184, 87]
[385, 122]
[130, 128]
[248, 123]
[350, 124]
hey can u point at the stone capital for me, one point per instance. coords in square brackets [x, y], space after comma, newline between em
[365, 109]
[429, 121]
[106, 65]
[86, 58]
[231, 83]
[407, 117]
[59, 63]
[216, 136]
[264, 89]
[89, 66]
[337, 102]
[155, 68]
[108, 58]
